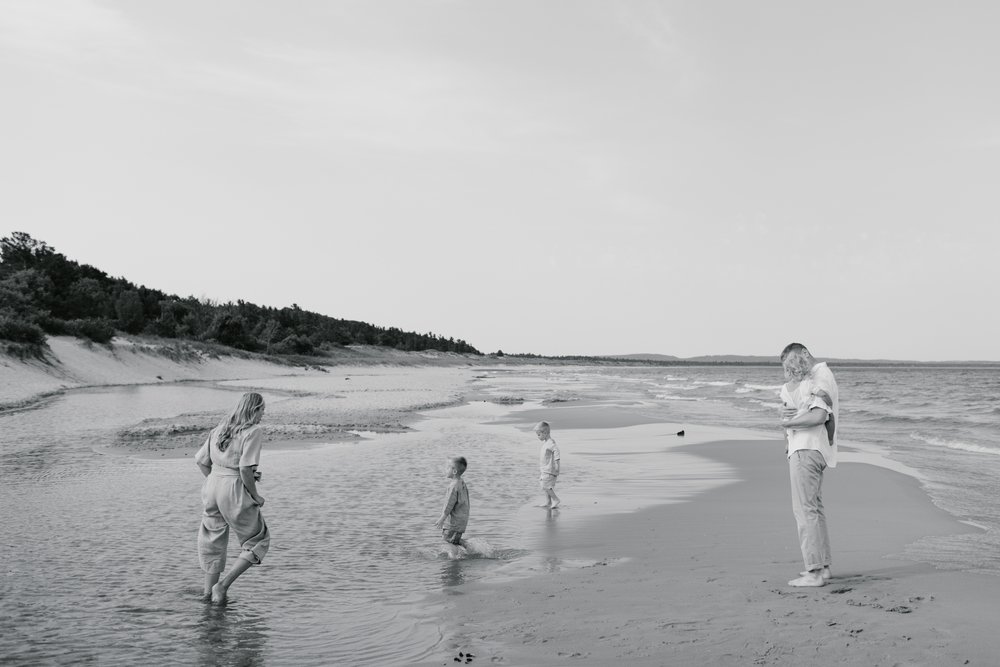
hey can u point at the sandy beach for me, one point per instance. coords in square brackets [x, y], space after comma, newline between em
[704, 581]
[668, 549]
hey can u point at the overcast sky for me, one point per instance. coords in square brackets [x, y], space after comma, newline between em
[558, 177]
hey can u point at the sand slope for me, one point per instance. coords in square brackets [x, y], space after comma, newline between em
[73, 363]
[76, 363]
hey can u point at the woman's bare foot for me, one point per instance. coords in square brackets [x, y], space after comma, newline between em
[219, 593]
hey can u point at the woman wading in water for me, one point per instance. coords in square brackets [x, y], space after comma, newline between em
[229, 460]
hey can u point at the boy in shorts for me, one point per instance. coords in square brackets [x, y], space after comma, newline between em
[455, 516]
[548, 460]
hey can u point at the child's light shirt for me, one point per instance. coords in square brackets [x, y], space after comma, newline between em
[548, 456]
[456, 506]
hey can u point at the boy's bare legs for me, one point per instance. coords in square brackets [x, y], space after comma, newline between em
[553, 498]
[220, 589]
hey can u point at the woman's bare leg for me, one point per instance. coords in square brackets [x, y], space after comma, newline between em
[220, 589]
[211, 580]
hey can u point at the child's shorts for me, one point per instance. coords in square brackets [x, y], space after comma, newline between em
[547, 481]
[452, 536]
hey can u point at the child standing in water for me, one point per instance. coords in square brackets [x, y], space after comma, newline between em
[455, 516]
[229, 460]
[548, 460]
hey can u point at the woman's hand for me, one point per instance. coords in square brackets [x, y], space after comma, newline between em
[259, 500]
[257, 475]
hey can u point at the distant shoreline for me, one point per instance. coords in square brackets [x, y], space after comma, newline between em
[71, 363]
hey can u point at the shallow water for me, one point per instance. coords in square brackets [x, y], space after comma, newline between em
[99, 550]
[940, 422]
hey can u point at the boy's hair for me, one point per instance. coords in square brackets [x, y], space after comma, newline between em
[460, 463]
[542, 426]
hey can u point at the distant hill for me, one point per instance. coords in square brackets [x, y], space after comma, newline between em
[757, 360]
[44, 293]
[706, 359]
[646, 357]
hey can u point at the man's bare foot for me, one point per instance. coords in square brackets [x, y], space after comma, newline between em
[544, 506]
[809, 579]
[825, 573]
[219, 593]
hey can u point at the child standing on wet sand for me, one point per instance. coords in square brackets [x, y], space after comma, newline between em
[548, 460]
[455, 516]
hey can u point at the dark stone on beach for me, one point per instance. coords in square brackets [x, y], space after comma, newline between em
[680, 433]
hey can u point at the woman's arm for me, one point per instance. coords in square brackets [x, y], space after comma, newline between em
[814, 417]
[205, 470]
[249, 481]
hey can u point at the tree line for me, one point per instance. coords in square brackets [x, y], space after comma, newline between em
[43, 293]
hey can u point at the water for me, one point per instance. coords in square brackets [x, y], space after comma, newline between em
[99, 550]
[940, 422]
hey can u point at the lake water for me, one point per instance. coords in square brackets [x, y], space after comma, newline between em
[99, 550]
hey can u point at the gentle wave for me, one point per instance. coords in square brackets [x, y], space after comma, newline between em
[956, 444]
[672, 397]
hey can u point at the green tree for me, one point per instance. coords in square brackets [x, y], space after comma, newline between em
[19, 251]
[128, 308]
[268, 334]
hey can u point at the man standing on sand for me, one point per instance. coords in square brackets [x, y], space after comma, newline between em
[809, 415]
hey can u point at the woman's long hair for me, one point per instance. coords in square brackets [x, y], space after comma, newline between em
[246, 413]
[797, 365]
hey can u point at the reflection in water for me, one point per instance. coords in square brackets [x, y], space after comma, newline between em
[453, 574]
[551, 517]
[228, 636]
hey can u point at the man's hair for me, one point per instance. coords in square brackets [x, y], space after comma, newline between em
[798, 348]
[460, 463]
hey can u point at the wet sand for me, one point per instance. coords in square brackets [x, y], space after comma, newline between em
[705, 582]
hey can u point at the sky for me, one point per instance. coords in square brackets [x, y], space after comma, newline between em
[556, 177]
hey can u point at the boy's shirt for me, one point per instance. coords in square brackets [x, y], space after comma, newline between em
[548, 456]
[456, 506]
